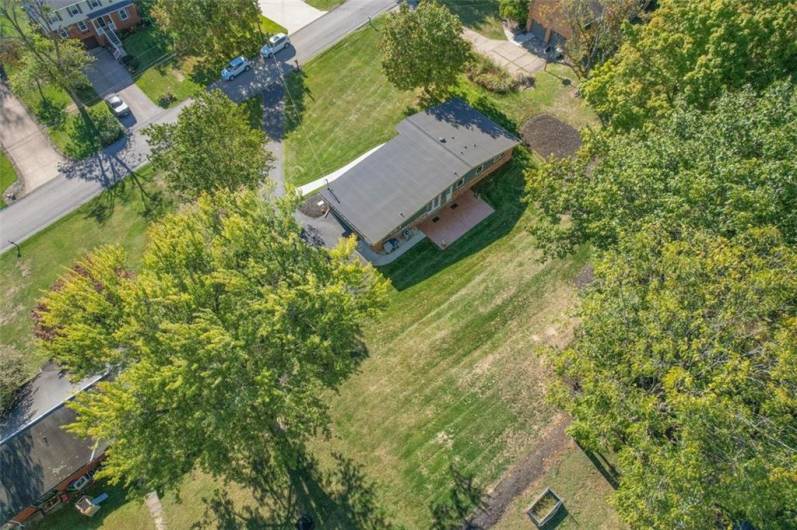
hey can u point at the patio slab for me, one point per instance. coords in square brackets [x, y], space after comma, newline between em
[456, 219]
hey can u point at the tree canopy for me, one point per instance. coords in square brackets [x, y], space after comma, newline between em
[210, 147]
[423, 48]
[693, 50]
[216, 31]
[224, 341]
[722, 170]
[685, 364]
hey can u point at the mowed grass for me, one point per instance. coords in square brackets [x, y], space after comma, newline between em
[46, 255]
[479, 15]
[454, 375]
[341, 105]
[325, 5]
[584, 492]
[7, 176]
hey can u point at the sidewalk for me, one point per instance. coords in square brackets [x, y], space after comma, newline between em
[34, 157]
[515, 58]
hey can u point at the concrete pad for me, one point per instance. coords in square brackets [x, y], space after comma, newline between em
[510, 51]
[454, 220]
[291, 14]
[34, 157]
[531, 63]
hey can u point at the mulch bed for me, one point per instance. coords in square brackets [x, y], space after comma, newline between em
[310, 206]
[548, 136]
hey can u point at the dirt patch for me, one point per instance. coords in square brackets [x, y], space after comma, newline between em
[524, 473]
[311, 207]
[585, 277]
[548, 136]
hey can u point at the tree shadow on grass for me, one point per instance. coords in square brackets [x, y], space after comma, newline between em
[297, 91]
[504, 191]
[336, 499]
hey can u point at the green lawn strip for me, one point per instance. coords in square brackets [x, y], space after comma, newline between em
[7, 176]
[46, 255]
[479, 15]
[269, 27]
[325, 5]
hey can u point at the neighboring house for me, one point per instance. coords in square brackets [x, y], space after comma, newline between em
[421, 179]
[548, 23]
[39, 460]
[95, 22]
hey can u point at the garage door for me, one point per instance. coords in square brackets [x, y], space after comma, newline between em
[538, 30]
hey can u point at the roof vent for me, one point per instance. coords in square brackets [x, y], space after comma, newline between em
[442, 140]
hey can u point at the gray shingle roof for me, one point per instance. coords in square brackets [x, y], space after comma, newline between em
[38, 458]
[433, 150]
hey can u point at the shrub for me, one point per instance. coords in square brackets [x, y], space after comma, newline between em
[131, 62]
[515, 10]
[166, 100]
[85, 138]
[108, 128]
[12, 376]
[493, 77]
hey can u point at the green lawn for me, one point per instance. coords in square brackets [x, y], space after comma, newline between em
[163, 78]
[583, 490]
[7, 176]
[331, 119]
[269, 27]
[479, 15]
[45, 256]
[325, 5]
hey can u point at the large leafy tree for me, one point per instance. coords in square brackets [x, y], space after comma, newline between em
[211, 30]
[212, 146]
[47, 56]
[723, 170]
[685, 364]
[694, 49]
[225, 341]
[423, 48]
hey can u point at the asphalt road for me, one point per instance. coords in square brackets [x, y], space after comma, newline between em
[79, 182]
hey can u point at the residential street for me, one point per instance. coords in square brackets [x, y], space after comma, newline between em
[79, 182]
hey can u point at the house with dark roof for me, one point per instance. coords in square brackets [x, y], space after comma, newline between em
[41, 464]
[94, 22]
[422, 178]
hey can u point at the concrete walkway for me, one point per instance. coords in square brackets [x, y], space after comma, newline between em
[28, 147]
[290, 14]
[515, 58]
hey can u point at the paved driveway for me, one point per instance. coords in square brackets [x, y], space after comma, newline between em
[28, 147]
[291, 14]
[109, 76]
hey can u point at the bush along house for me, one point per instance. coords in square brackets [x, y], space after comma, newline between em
[421, 180]
[94, 22]
[42, 466]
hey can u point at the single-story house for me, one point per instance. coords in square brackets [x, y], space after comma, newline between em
[422, 178]
[94, 22]
[42, 465]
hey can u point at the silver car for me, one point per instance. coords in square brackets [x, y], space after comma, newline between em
[275, 44]
[117, 106]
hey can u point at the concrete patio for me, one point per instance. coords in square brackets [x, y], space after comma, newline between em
[456, 219]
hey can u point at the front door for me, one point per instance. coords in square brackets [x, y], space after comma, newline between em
[104, 22]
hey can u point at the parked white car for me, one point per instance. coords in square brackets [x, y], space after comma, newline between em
[117, 106]
[235, 67]
[275, 44]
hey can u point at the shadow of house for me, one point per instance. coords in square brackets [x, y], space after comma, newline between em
[38, 464]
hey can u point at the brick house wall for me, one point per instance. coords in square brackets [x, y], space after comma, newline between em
[546, 18]
[90, 37]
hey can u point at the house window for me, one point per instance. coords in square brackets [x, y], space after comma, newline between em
[74, 10]
[123, 14]
[460, 183]
[64, 33]
[93, 4]
[55, 17]
[82, 26]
